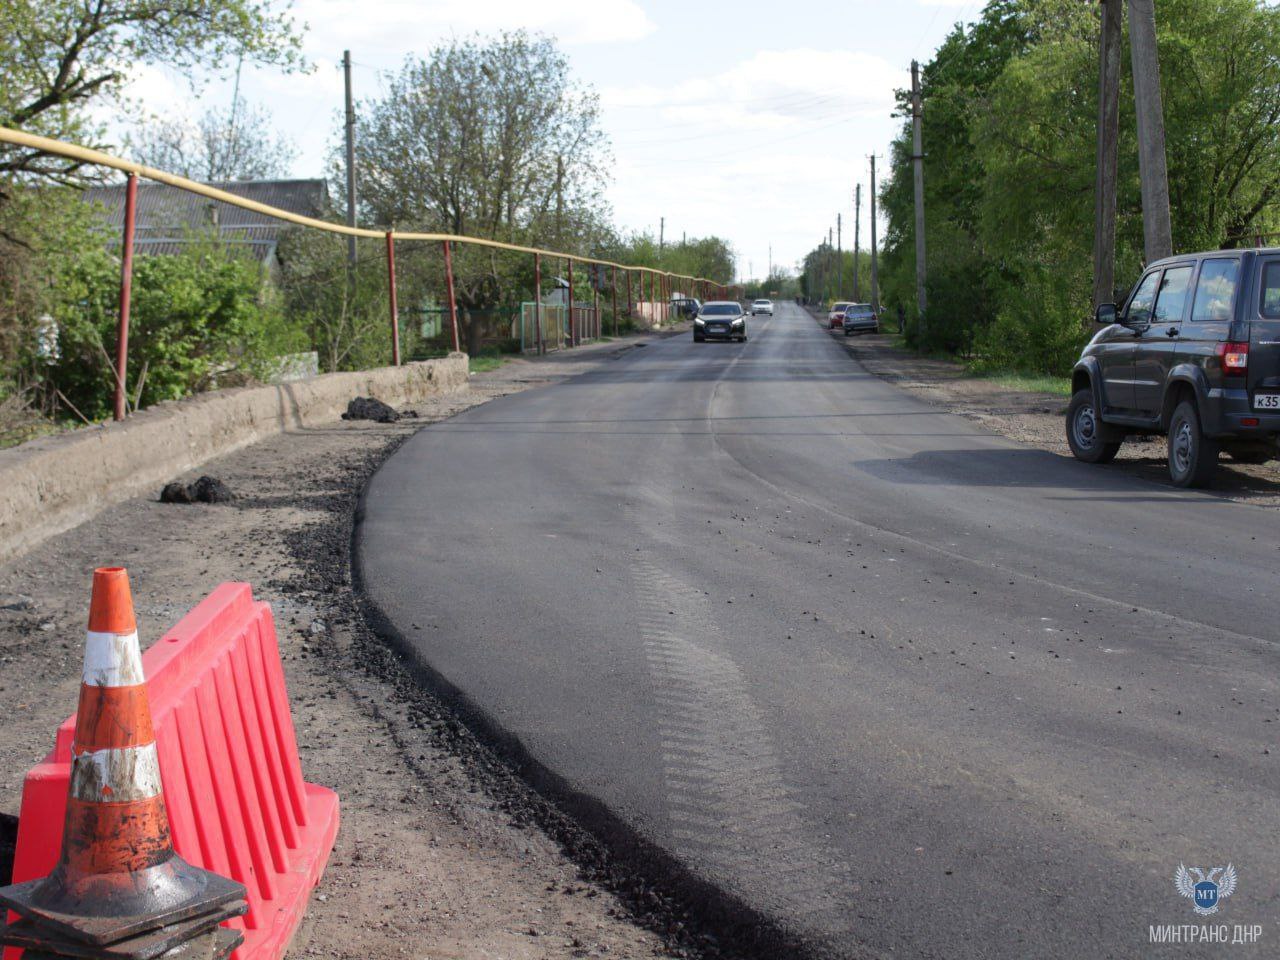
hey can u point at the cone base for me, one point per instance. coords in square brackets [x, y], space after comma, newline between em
[105, 908]
[152, 945]
[218, 945]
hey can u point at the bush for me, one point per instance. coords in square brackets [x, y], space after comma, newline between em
[199, 320]
[1038, 328]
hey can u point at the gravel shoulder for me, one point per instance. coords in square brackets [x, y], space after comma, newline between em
[1038, 418]
[443, 852]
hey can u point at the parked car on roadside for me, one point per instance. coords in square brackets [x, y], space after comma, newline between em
[685, 306]
[762, 306]
[720, 320]
[860, 318]
[835, 316]
[1193, 353]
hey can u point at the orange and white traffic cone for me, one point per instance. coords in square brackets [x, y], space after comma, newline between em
[118, 875]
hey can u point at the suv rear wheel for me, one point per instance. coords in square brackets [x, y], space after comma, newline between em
[1193, 457]
[1085, 431]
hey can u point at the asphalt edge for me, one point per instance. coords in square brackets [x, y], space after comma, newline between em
[714, 918]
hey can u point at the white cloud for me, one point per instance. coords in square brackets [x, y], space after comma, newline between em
[773, 91]
[394, 26]
[764, 151]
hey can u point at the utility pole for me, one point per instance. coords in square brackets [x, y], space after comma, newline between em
[839, 259]
[770, 273]
[1104, 199]
[875, 276]
[1152, 169]
[351, 170]
[830, 250]
[917, 162]
[662, 229]
[857, 215]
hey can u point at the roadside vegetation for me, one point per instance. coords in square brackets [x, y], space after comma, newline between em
[1010, 108]
[488, 136]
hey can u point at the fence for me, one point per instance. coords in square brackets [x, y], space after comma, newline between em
[550, 326]
[660, 283]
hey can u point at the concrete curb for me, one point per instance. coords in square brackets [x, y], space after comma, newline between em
[51, 484]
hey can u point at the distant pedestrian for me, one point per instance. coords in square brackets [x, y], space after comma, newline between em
[902, 319]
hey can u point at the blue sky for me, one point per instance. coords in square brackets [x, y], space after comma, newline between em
[751, 120]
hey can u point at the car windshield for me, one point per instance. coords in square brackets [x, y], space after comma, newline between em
[840, 306]
[860, 309]
[762, 303]
[721, 310]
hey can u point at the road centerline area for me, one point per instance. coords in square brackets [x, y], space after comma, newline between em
[834, 652]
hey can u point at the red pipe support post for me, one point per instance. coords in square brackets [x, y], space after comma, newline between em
[613, 289]
[395, 310]
[126, 295]
[537, 301]
[453, 300]
[573, 327]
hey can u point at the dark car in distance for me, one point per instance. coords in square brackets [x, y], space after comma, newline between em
[1194, 354]
[720, 320]
[686, 307]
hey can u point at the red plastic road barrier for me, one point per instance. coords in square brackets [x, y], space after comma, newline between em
[229, 765]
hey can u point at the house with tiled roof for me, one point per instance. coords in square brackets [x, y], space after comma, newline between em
[169, 219]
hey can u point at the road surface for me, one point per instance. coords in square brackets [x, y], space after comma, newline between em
[899, 686]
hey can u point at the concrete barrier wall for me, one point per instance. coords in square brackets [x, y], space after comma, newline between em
[54, 483]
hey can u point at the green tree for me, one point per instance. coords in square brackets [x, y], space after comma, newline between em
[59, 56]
[348, 324]
[238, 143]
[60, 59]
[488, 137]
[1010, 108]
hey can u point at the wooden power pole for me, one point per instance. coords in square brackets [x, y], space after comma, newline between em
[917, 163]
[1104, 200]
[1152, 165]
[839, 259]
[831, 248]
[875, 276]
[857, 214]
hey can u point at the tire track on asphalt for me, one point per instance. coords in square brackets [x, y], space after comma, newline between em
[732, 814]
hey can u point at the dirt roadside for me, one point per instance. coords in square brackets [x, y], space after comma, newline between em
[443, 852]
[1038, 418]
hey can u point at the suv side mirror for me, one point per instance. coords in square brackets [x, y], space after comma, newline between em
[1106, 313]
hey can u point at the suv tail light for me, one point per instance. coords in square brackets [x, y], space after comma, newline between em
[1235, 357]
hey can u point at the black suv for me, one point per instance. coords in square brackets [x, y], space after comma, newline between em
[1194, 354]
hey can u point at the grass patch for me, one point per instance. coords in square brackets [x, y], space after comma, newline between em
[486, 363]
[1028, 382]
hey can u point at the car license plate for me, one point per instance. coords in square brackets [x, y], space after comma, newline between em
[1266, 401]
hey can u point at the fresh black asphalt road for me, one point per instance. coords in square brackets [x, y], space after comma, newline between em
[902, 687]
